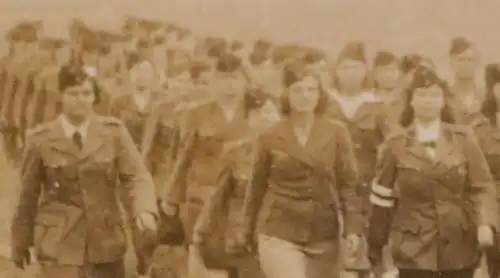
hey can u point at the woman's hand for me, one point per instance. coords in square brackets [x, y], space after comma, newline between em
[485, 236]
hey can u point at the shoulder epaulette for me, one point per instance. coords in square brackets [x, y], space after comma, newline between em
[111, 121]
[38, 130]
[461, 129]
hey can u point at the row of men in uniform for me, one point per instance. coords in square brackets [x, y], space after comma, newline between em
[194, 158]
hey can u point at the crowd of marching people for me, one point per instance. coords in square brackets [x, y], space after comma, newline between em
[258, 160]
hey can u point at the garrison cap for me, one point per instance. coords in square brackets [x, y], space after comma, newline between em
[72, 75]
[26, 31]
[197, 68]
[492, 74]
[354, 51]
[52, 43]
[425, 77]
[228, 63]
[384, 58]
[459, 45]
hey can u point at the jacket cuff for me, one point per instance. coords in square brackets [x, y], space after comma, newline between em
[354, 225]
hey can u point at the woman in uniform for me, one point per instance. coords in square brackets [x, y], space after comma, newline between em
[388, 83]
[197, 164]
[304, 175]
[491, 148]
[216, 229]
[68, 208]
[433, 194]
[353, 102]
[133, 109]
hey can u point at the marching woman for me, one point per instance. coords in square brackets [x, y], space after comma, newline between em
[491, 148]
[215, 232]
[304, 175]
[354, 103]
[197, 163]
[133, 109]
[433, 194]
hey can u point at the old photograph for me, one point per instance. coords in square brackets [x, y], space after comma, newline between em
[249, 139]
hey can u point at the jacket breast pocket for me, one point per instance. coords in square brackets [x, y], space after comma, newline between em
[49, 231]
[406, 240]
[456, 166]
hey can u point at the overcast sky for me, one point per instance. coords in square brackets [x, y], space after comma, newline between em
[398, 25]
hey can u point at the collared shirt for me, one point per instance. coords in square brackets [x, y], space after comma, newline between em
[350, 104]
[141, 101]
[429, 133]
[70, 129]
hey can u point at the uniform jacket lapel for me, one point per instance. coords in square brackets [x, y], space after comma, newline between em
[61, 142]
[95, 138]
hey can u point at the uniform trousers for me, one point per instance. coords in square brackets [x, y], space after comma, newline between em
[280, 258]
[411, 273]
[103, 270]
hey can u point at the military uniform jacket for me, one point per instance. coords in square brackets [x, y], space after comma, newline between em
[124, 108]
[160, 141]
[293, 200]
[68, 208]
[367, 127]
[431, 207]
[197, 160]
[45, 105]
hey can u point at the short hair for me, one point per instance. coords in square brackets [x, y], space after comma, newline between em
[72, 75]
[294, 72]
[425, 77]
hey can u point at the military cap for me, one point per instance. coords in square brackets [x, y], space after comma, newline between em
[216, 47]
[293, 72]
[286, 52]
[312, 56]
[459, 45]
[384, 58]
[354, 51]
[258, 57]
[178, 69]
[26, 31]
[72, 75]
[425, 77]
[52, 43]
[492, 74]
[197, 68]
[237, 45]
[228, 63]
[262, 45]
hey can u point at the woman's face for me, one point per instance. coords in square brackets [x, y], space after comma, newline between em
[465, 64]
[428, 102]
[78, 100]
[143, 75]
[265, 116]
[350, 73]
[303, 95]
[388, 76]
[496, 92]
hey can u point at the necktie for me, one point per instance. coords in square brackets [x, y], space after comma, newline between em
[77, 139]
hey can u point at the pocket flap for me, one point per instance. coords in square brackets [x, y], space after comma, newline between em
[412, 227]
[50, 219]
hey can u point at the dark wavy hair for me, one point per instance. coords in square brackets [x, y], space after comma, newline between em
[425, 77]
[490, 105]
[294, 72]
[72, 75]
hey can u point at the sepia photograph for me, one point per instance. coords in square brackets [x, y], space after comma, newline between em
[249, 139]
